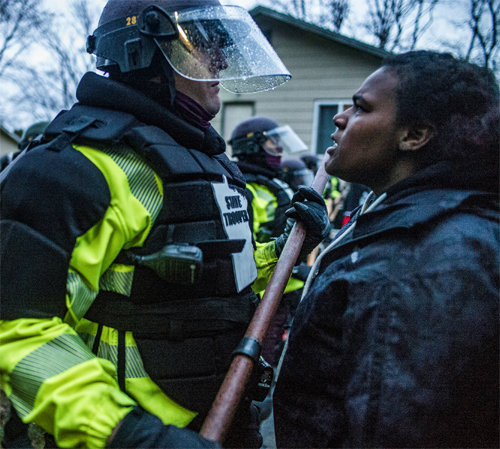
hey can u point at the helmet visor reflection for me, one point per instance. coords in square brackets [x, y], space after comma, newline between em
[283, 140]
[302, 177]
[224, 44]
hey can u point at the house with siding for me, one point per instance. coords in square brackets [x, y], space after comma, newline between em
[326, 67]
[8, 141]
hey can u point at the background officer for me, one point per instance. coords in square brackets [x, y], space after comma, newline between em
[296, 173]
[127, 254]
[30, 133]
[258, 144]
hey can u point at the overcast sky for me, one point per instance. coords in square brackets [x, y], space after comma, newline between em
[434, 39]
[358, 10]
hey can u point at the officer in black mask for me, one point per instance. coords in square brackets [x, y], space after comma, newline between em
[259, 144]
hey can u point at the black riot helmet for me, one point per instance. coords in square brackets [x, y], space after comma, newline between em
[32, 131]
[200, 39]
[312, 161]
[296, 173]
[261, 134]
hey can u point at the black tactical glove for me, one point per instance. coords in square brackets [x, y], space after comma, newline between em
[244, 431]
[142, 429]
[308, 206]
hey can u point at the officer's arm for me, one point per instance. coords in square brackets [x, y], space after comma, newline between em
[264, 253]
[265, 259]
[53, 379]
[59, 235]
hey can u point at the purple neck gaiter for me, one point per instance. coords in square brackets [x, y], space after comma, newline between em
[192, 112]
[273, 161]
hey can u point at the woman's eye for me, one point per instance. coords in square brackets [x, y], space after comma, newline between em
[359, 108]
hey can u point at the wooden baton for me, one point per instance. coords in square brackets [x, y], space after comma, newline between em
[222, 412]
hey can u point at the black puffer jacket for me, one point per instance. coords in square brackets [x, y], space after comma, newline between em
[396, 342]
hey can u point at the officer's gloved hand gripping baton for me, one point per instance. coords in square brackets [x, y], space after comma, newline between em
[232, 389]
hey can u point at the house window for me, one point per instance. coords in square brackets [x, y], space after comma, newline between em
[323, 126]
[233, 114]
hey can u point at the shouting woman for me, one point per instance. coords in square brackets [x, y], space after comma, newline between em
[395, 341]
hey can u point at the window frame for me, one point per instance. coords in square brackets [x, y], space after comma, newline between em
[342, 105]
[224, 110]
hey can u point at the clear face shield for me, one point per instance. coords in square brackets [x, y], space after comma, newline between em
[223, 43]
[282, 140]
[302, 177]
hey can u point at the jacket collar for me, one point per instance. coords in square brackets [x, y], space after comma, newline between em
[430, 193]
[98, 91]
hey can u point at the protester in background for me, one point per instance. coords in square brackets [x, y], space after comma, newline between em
[353, 196]
[312, 161]
[395, 343]
[30, 133]
[127, 253]
[342, 197]
[296, 173]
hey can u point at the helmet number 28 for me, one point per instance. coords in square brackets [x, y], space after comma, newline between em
[131, 20]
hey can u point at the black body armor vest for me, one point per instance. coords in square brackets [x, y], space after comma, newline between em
[185, 333]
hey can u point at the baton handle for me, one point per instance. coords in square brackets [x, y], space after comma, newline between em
[221, 414]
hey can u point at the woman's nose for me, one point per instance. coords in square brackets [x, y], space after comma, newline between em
[339, 121]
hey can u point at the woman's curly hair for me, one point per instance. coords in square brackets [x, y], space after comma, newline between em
[457, 99]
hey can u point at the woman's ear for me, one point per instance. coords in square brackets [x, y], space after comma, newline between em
[415, 138]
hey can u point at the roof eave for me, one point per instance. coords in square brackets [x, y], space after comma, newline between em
[315, 29]
[9, 134]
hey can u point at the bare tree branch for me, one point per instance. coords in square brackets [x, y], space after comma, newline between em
[42, 89]
[425, 8]
[300, 8]
[380, 13]
[483, 23]
[390, 20]
[20, 20]
[334, 13]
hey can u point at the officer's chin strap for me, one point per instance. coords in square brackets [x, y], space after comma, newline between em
[157, 81]
[167, 75]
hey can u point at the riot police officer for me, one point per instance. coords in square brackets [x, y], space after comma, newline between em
[127, 255]
[296, 173]
[32, 132]
[259, 144]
